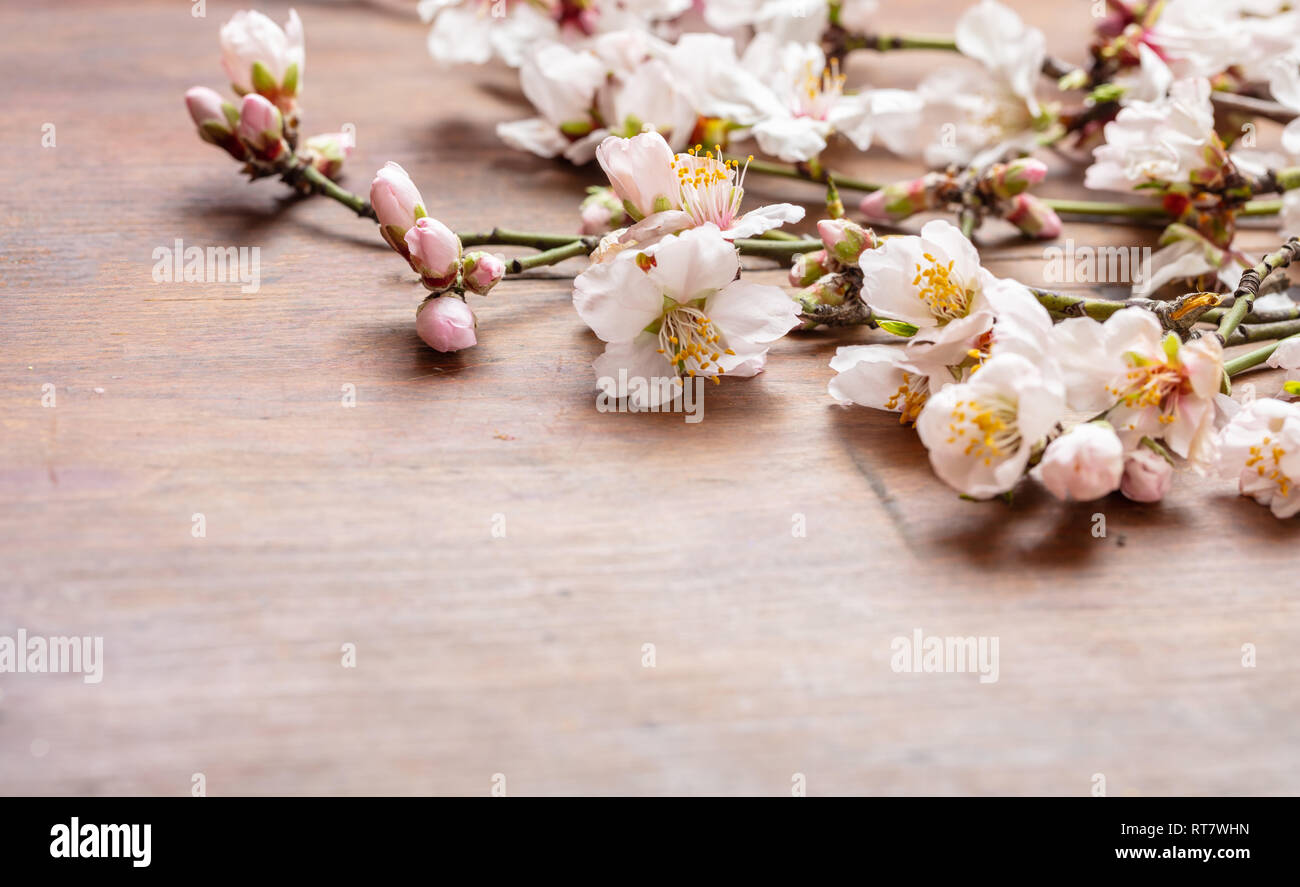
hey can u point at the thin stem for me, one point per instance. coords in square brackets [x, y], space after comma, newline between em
[508, 237]
[322, 184]
[777, 249]
[968, 221]
[1105, 208]
[1074, 306]
[552, 256]
[886, 42]
[1064, 207]
[1263, 332]
[1252, 359]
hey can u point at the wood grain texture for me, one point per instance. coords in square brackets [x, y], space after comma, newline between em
[522, 655]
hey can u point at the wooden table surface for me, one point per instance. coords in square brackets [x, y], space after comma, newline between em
[522, 655]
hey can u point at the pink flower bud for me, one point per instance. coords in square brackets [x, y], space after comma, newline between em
[328, 152]
[602, 211]
[1083, 464]
[481, 271]
[216, 119]
[1006, 180]
[1033, 217]
[446, 323]
[434, 253]
[829, 291]
[397, 203]
[261, 127]
[845, 241]
[1147, 475]
[901, 200]
[808, 268]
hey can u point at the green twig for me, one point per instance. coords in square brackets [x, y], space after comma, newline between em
[1251, 359]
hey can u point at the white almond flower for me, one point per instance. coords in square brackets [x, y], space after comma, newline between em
[788, 97]
[616, 86]
[1204, 38]
[1153, 385]
[477, 31]
[678, 310]
[1160, 141]
[982, 433]
[807, 104]
[935, 282]
[1085, 463]
[975, 116]
[668, 192]
[881, 377]
[901, 377]
[789, 21]
[1260, 448]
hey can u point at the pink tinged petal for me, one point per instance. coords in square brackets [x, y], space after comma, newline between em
[395, 197]
[635, 370]
[655, 228]
[1147, 476]
[434, 251]
[949, 344]
[535, 135]
[694, 264]
[640, 170]
[765, 218]
[617, 299]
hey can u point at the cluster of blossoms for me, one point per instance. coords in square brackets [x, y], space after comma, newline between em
[264, 63]
[991, 384]
[1000, 381]
[762, 74]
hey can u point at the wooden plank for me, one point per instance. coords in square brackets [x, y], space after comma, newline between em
[523, 655]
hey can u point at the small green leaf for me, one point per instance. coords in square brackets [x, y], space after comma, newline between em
[897, 328]
[232, 114]
[418, 211]
[289, 86]
[1292, 388]
[263, 82]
